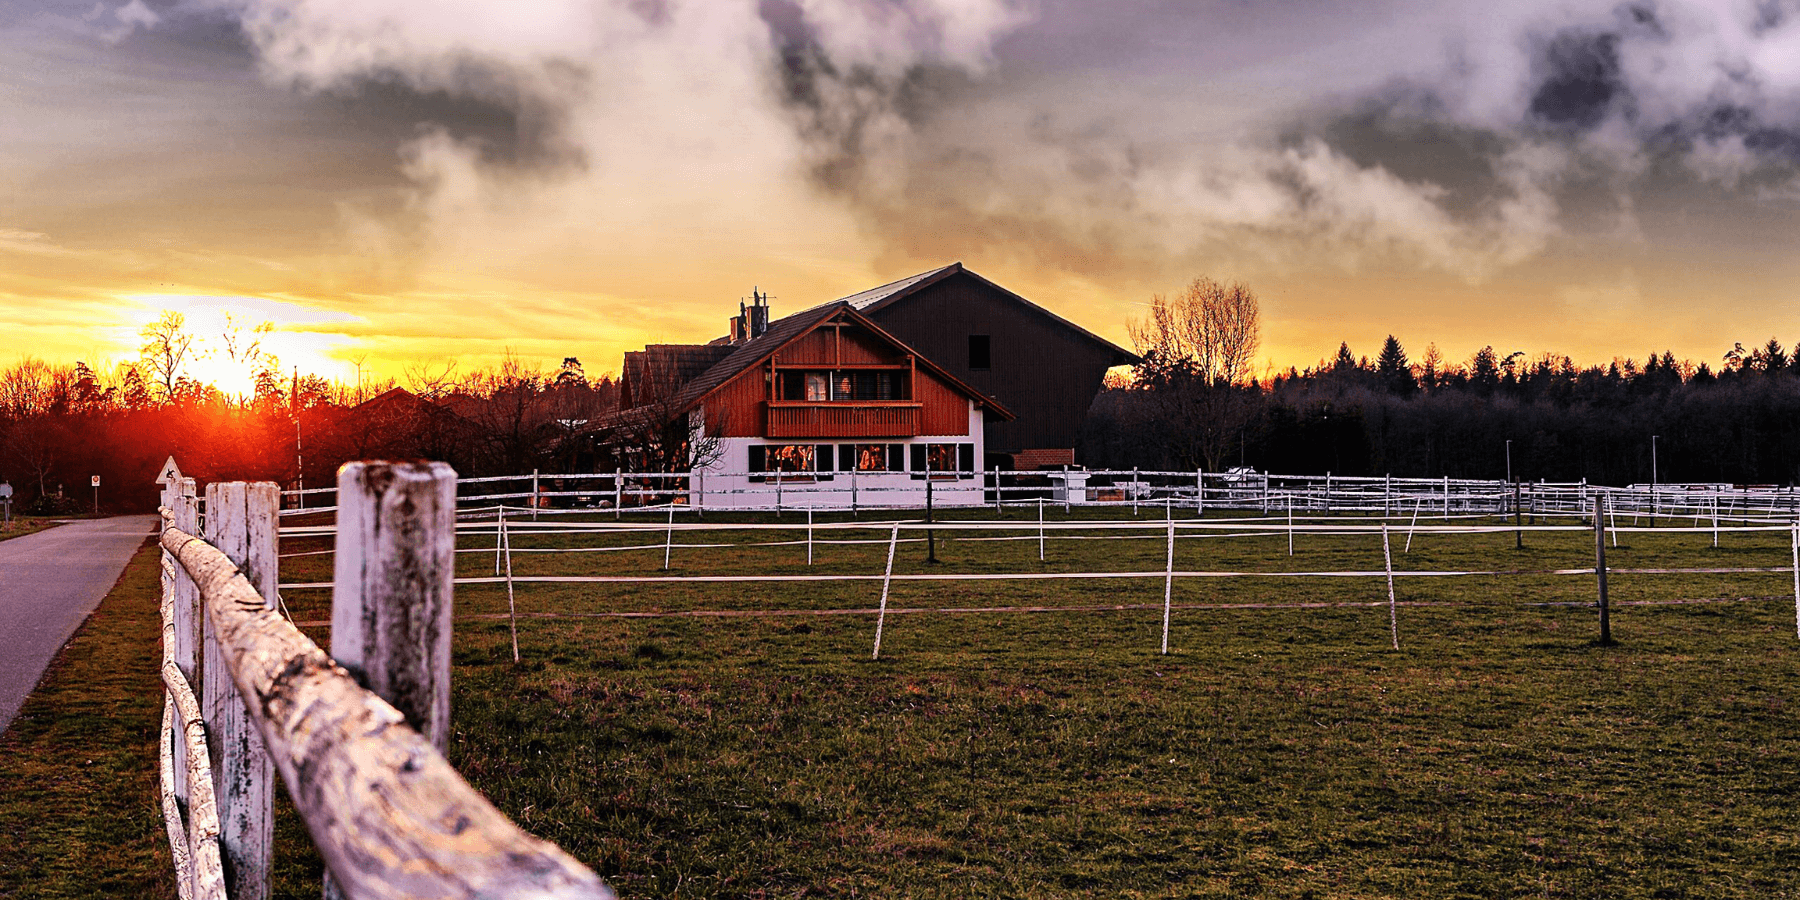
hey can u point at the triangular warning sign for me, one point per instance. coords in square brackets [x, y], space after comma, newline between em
[170, 472]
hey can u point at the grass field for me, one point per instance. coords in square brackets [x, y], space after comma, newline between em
[1275, 753]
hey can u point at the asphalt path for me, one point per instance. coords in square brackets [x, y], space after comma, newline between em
[49, 582]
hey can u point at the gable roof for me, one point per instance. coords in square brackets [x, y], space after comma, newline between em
[782, 332]
[660, 367]
[875, 299]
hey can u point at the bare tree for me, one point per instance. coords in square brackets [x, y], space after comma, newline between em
[168, 347]
[1210, 329]
[1198, 351]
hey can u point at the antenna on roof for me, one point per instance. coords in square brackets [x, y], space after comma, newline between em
[756, 317]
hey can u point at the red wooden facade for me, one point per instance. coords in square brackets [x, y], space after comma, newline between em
[841, 352]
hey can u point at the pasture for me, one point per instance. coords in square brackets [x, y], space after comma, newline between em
[734, 739]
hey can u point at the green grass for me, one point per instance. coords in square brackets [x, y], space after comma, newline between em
[24, 525]
[1275, 753]
[78, 815]
[1278, 752]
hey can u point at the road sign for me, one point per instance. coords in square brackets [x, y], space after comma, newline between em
[5, 491]
[169, 473]
[96, 481]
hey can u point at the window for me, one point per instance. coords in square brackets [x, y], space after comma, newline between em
[793, 458]
[868, 457]
[980, 352]
[822, 387]
[943, 461]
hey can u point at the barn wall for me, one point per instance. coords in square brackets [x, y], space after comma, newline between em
[1041, 371]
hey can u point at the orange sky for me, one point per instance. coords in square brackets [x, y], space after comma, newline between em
[393, 181]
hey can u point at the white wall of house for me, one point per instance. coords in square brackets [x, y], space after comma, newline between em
[726, 482]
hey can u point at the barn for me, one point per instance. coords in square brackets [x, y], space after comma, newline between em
[869, 400]
[1042, 367]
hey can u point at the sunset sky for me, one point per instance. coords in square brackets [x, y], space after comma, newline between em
[391, 181]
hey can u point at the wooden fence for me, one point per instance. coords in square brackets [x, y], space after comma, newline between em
[358, 737]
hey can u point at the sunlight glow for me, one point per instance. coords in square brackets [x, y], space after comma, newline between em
[227, 350]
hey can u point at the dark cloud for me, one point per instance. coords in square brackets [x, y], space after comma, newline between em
[1581, 81]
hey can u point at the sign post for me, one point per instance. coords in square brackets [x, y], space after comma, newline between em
[96, 483]
[6, 493]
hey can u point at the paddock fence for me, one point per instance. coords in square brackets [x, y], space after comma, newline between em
[248, 695]
[1196, 492]
[684, 534]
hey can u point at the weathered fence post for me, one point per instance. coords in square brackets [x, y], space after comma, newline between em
[391, 600]
[391, 590]
[186, 601]
[240, 522]
[536, 497]
[1600, 568]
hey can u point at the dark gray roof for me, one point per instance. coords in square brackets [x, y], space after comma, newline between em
[753, 351]
[873, 299]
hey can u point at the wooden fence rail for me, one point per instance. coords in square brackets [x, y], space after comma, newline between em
[387, 812]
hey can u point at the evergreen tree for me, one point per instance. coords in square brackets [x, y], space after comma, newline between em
[1392, 368]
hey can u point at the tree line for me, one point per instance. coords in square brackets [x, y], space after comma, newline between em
[1350, 415]
[60, 425]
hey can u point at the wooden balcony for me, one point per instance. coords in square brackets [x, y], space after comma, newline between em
[843, 419]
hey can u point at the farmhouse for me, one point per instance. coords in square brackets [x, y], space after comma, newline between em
[821, 408]
[867, 400]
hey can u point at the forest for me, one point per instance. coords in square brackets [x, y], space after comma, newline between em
[1349, 415]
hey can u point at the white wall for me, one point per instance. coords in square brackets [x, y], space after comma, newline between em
[725, 483]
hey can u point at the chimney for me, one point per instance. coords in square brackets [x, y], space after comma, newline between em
[737, 326]
[759, 313]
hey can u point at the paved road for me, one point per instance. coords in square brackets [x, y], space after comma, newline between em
[49, 582]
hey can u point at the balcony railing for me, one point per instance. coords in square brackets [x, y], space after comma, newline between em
[887, 418]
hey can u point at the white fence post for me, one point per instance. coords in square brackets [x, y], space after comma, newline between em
[512, 609]
[886, 578]
[1168, 587]
[1387, 556]
[535, 495]
[391, 597]
[1040, 529]
[240, 522]
[1796, 549]
[669, 538]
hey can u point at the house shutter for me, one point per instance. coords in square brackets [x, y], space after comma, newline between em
[965, 460]
[824, 455]
[896, 458]
[759, 458]
[847, 457]
[919, 461]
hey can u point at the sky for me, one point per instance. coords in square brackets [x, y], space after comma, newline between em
[398, 183]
